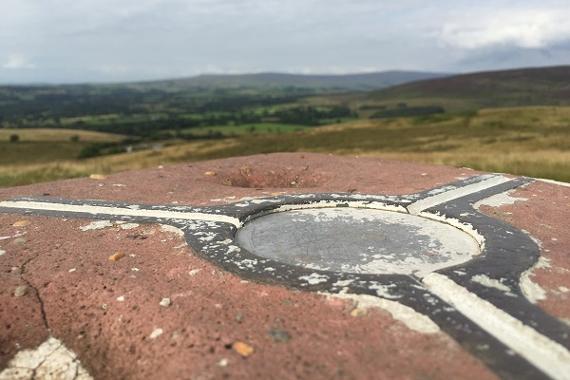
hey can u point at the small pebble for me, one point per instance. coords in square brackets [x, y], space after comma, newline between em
[117, 256]
[121, 298]
[223, 362]
[155, 333]
[97, 176]
[2, 252]
[20, 291]
[210, 173]
[243, 348]
[165, 302]
[358, 312]
[72, 270]
[193, 272]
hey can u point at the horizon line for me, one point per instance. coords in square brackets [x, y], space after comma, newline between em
[268, 72]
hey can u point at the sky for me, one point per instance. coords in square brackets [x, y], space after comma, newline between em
[75, 41]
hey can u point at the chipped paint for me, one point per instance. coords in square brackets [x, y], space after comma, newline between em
[531, 290]
[384, 291]
[50, 360]
[343, 283]
[485, 280]
[408, 316]
[128, 226]
[314, 278]
[498, 200]
[331, 204]
[465, 227]
[96, 225]
[171, 229]
[545, 354]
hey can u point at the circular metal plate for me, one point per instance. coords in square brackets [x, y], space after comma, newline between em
[356, 240]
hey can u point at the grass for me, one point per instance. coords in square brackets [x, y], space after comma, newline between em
[532, 141]
[13, 175]
[37, 146]
[35, 152]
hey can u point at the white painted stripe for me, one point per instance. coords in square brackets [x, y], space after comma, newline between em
[545, 354]
[553, 182]
[119, 211]
[423, 204]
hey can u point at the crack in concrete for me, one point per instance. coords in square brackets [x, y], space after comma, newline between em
[32, 371]
[35, 290]
[35, 370]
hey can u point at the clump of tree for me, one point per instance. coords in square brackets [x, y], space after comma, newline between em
[14, 138]
[99, 149]
[312, 116]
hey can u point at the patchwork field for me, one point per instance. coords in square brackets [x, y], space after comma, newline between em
[533, 141]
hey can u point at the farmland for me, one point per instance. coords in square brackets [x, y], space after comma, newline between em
[533, 141]
[514, 121]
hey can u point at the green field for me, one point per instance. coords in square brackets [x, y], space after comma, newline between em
[532, 141]
[515, 121]
[56, 135]
[35, 146]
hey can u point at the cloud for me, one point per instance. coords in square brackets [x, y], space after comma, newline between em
[526, 28]
[122, 40]
[17, 62]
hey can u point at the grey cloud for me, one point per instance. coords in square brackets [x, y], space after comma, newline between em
[114, 40]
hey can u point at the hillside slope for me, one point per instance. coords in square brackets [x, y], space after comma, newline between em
[366, 81]
[530, 86]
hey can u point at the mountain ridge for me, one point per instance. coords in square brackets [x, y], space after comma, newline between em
[268, 80]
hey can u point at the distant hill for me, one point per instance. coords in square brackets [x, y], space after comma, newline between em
[519, 87]
[367, 81]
